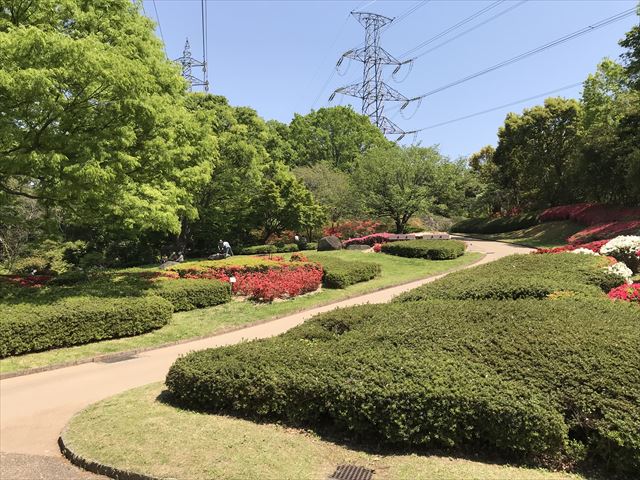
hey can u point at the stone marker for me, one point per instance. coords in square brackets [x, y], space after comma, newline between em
[329, 243]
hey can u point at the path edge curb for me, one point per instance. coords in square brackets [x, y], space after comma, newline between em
[127, 353]
[97, 467]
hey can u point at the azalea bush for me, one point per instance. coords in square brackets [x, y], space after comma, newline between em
[593, 246]
[353, 228]
[369, 239]
[605, 230]
[628, 293]
[625, 249]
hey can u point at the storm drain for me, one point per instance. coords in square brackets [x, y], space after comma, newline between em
[118, 358]
[351, 472]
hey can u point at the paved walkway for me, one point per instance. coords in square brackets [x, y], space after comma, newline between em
[35, 408]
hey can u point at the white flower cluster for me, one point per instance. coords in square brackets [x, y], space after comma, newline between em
[624, 244]
[585, 251]
[621, 270]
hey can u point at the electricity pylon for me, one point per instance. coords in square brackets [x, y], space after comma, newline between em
[188, 62]
[374, 91]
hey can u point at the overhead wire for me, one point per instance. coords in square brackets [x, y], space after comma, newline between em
[155, 7]
[522, 56]
[205, 40]
[500, 107]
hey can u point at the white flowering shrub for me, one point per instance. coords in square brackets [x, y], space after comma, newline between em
[622, 271]
[585, 251]
[624, 248]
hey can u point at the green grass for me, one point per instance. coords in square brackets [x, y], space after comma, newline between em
[136, 432]
[209, 321]
[544, 235]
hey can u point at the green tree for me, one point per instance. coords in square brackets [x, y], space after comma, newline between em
[337, 136]
[536, 154]
[397, 182]
[93, 119]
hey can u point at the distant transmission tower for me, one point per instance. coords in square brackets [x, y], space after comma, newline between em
[373, 91]
[188, 62]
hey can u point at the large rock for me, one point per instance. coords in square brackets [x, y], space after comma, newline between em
[329, 243]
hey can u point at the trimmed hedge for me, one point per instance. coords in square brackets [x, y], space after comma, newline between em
[496, 225]
[187, 294]
[429, 249]
[266, 249]
[522, 276]
[340, 273]
[73, 321]
[552, 382]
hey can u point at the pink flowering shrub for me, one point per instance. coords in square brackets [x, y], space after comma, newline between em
[606, 230]
[369, 239]
[628, 293]
[377, 247]
[593, 246]
[353, 228]
[590, 213]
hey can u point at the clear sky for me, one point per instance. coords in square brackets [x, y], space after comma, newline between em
[276, 56]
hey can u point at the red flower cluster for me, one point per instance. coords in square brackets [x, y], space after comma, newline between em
[593, 246]
[368, 239]
[273, 284]
[628, 293]
[590, 213]
[353, 228]
[377, 247]
[28, 281]
[606, 230]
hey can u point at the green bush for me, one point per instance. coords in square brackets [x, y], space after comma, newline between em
[189, 294]
[429, 249]
[521, 276]
[259, 250]
[311, 246]
[288, 247]
[531, 380]
[73, 321]
[338, 273]
[496, 225]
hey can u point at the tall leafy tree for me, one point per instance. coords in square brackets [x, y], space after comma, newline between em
[398, 182]
[93, 120]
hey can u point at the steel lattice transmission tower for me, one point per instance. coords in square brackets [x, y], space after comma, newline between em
[188, 63]
[374, 91]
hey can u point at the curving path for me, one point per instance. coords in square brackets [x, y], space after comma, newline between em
[35, 408]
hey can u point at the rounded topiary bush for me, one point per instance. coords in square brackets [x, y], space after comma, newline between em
[189, 294]
[429, 249]
[532, 380]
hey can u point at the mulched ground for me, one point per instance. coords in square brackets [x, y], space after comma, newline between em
[17, 466]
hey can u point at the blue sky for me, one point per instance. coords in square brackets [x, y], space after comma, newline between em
[276, 56]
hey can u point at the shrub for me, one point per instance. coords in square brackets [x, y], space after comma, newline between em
[429, 249]
[281, 283]
[288, 247]
[186, 294]
[496, 225]
[260, 250]
[628, 293]
[352, 228]
[590, 213]
[530, 380]
[522, 276]
[369, 239]
[73, 321]
[625, 249]
[593, 246]
[605, 230]
[311, 246]
[340, 273]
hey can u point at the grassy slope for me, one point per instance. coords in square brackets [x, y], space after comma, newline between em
[135, 431]
[544, 235]
[197, 323]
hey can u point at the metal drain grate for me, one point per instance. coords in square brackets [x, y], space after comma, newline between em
[351, 472]
[118, 358]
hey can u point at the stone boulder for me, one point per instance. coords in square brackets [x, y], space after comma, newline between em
[329, 243]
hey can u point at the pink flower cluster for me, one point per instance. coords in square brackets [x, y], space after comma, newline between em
[628, 293]
[590, 213]
[605, 230]
[353, 228]
[593, 246]
[369, 239]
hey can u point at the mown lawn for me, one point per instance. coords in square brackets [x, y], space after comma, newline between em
[209, 321]
[137, 432]
[544, 235]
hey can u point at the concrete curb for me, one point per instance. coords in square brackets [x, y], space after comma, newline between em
[128, 353]
[96, 467]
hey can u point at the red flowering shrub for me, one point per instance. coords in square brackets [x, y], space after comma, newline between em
[593, 246]
[353, 228]
[590, 213]
[628, 293]
[377, 247]
[287, 282]
[606, 230]
[28, 281]
[299, 257]
[368, 239]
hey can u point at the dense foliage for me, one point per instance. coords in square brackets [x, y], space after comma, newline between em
[191, 294]
[340, 273]
[496, 225]
[31, 327]
[428, 249]
[527, 379]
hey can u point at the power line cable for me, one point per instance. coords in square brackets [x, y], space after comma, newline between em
[490, 19]
[155, 7]
[522, 56]
[493, 109]
[453, 27]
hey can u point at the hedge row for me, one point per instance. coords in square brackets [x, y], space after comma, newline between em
[338, 273]
[429, 249]
[73, 321]
[552, 382]
[496, 225]
[267, 249]
[522, 276]
[188, 294]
